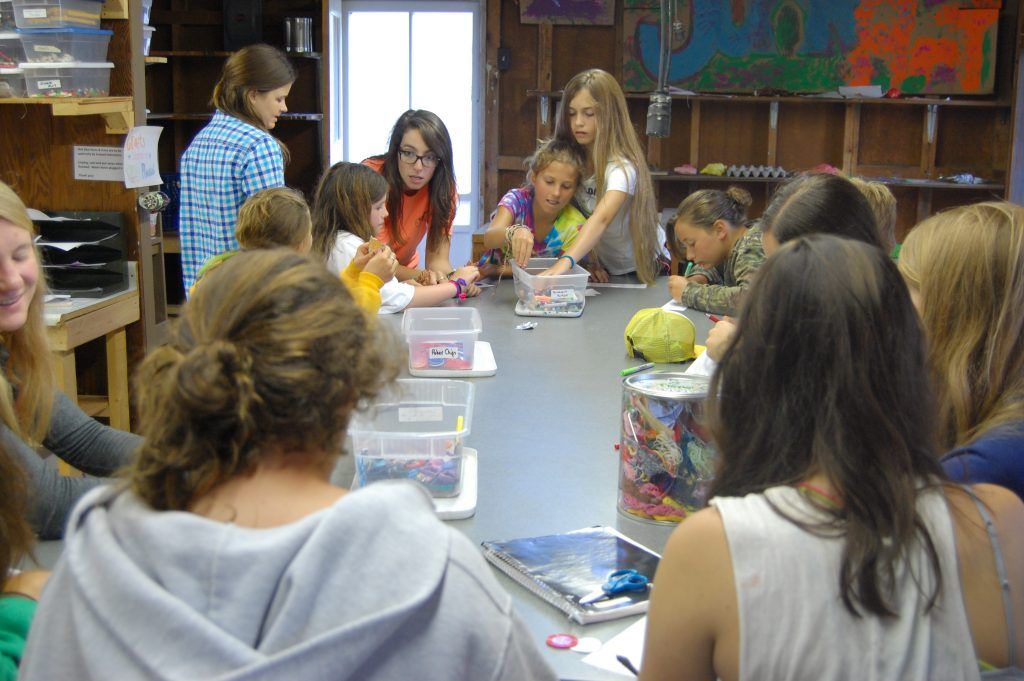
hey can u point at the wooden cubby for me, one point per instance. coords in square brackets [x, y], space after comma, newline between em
[189, 41]
[909, 143]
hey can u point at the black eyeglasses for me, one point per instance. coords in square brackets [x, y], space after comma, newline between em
[410, 157]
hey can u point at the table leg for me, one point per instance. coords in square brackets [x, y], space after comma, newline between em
[67, 383]
[117, 379]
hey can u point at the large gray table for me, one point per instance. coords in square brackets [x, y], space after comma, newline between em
[545, 427]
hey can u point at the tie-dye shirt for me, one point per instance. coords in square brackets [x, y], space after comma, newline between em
[519, 202]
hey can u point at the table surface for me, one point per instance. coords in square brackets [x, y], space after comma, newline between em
[545, 427]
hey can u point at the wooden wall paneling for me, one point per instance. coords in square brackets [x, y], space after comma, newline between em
[924, 203]
[1015, 176]
[545, 108]
[941, 200]
[851, 138]
[809, 134]
[973, 140]
[492, 104]
[906, 210]
[891, 141]
[518, 111]
[737, 136]
[695, 125]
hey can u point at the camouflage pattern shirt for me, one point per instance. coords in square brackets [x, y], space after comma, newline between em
[727, 281]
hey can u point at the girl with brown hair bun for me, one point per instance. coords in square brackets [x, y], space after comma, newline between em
[834, 547]
[229, 554]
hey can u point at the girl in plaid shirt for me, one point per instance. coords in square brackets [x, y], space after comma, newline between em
[234, 156]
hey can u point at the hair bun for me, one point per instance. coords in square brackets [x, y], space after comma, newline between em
[740, 196]
[216, 378]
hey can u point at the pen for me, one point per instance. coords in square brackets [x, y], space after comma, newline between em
[713, 317]
[689, 268]
[632, 370]
[625, 662]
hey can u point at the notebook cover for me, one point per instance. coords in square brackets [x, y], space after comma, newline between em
[563, 568]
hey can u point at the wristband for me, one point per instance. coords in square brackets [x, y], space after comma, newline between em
[449, 275]
[460, 285]
[572, 260]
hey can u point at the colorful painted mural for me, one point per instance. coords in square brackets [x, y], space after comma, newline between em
[577, 12]
[917, 46]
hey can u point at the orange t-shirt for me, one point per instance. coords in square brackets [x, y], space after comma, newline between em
[415, 221]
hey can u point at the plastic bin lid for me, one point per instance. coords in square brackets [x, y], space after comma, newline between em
[8, 35]
[148, 29]
[9, 72]
[51, 31]
[67, 65]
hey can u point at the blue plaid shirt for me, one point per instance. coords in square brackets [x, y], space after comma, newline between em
[228, 161]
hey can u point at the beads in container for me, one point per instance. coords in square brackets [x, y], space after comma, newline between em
[666, 461]
[440, 475]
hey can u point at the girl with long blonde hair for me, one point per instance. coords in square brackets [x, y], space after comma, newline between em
[32, 411]
[621, 234]
[965, 269]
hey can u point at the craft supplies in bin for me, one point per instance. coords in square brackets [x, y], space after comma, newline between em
[11, 53]
[7, 22]
[74, 79]
[414, 431]
[57, 13]
[666, 461]
[64, 45]
[562, 295]
[12, 83]
[441, 338]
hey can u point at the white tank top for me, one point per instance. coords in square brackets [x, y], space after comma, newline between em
[793, 624]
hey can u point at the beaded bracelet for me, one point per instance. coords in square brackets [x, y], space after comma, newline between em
[460, 285]
[510, 230]
[572, 260]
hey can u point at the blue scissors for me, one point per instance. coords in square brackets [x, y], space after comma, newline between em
[620, 581]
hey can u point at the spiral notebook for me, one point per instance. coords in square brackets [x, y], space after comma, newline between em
[563, 568]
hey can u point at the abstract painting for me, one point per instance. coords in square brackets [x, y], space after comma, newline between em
[916, 46]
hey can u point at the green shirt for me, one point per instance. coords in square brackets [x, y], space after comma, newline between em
[15, 616]
[727, 281]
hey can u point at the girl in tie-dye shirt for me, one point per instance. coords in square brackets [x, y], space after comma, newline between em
[537, 220]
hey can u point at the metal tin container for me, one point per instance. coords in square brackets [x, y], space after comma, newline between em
[666, 461]
[298, 34]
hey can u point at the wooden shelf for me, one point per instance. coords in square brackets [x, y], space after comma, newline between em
[156, 60]
[114, 9]
[117, 111]
[208, 116]
[172, 243]
[808, 99]
[892, 182]
[221, 53]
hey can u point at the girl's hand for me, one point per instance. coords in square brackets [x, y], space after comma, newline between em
[473, 290]
[719, 337]
[676, 286]
[362, 256]
[468, 272]
[598, 274]
[428, 278]
[521, 244]
[383, 263]
[561, 266]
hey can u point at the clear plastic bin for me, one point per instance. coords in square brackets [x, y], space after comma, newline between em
[11, 53]
[74, 79]
[414, 431]
[12, 83]
[147, 9]
[147, 39]
[7, 22]
[441, 338]
[563, 295]
[57, 13]
[63, 45]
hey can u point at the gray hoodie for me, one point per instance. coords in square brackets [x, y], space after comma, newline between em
[375, 587]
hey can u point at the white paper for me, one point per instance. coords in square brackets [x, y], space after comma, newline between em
[630, 642]
[98, 163]
[702, 366]
[141, 165]
[674, 306]
[612, 284]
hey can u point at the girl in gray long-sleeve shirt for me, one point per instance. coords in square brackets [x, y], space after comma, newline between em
[31, 409]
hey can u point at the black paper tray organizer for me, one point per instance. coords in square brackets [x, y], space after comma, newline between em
[85, 255]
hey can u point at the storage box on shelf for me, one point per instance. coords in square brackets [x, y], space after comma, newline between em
[57, 13]
[84, 255]
[441, 338]
[12, 83]
[147, 39]
[73, 79]
[63, 45]
[11, 52]
[7, 22]
[563, 295]
[414, 431]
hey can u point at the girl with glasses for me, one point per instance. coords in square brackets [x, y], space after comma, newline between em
[422, 198]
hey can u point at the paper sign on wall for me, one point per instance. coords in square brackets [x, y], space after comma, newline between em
[141, 164]
[98, 163]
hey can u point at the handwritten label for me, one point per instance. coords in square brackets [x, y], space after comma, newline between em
[446, 352]
[53, 49]
[563, 294]
[34, 13]
[51, 84]
[420, 414]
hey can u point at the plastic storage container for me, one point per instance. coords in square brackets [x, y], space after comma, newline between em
[441, 338]
[147, 9]
[12, 83]
[414, 431]
[7, 22]
[11, 53]
[57, 13]
[74, 79]
[147, 39]
[666, 461]
[63, 45]
[563, 295]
